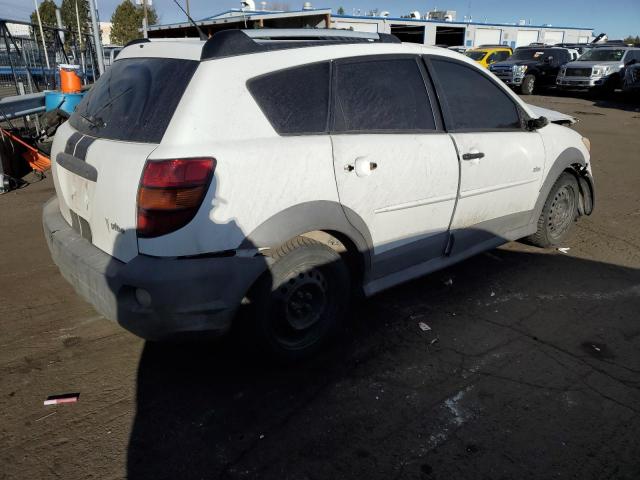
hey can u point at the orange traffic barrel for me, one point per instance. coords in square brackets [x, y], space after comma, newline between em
[69, 79]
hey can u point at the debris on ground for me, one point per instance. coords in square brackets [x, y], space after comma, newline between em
[424, 327]
[435, 340]
[46, 416]
[64, 398]
[563, 249]
[493, 294]
[448, 282]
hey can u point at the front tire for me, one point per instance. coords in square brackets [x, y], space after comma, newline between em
[558, 214]
[302, 299]
[528, 84]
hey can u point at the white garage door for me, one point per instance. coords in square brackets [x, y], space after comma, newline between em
[551, 37]
[357, 26]
[525, 37]
[487, 36]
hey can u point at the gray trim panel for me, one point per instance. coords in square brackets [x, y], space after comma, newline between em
[77, 166]
[307, 217]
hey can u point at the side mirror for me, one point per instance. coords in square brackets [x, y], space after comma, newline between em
[537, 123]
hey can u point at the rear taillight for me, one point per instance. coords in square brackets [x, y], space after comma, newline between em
[170, 193]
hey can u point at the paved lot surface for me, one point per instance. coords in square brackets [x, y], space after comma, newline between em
[535, 372]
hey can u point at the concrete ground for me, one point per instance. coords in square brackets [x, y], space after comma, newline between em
[531, 368]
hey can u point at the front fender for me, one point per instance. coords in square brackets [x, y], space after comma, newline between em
[574, 161]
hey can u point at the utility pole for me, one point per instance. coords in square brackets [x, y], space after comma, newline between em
[96, 35]
[44, 44]
[145, 20]
[60, 27]
[188, 13]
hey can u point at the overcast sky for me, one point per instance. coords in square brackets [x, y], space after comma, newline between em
[617, 18]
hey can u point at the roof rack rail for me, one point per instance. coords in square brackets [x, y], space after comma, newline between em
[229, 43]
[493, 45]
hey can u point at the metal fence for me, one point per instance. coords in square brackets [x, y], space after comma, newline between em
[29, 65]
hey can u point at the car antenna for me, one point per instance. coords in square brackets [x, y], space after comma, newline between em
[203, 36]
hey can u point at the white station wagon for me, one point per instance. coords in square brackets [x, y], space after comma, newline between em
[288, 169]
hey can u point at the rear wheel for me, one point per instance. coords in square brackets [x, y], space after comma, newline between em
[558, 214]
[300, 302]
[528, 84]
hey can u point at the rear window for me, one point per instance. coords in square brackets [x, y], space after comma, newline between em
[475, 54]
[134, 100]
[295, 100]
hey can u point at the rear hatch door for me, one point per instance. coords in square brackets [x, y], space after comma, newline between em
[100, 154]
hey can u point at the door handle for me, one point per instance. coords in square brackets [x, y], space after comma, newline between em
[362, 167]
[473, 156]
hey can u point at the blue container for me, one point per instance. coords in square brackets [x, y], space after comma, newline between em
[64, 101]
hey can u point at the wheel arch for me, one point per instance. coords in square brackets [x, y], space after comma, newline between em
[325, 222]
[572, 161]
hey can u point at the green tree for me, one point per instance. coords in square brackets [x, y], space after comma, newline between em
[127, 22]
[48, 17]
[69, 19]
[633, 40]
[340, 11]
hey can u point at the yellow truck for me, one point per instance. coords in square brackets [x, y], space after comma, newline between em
[485, 55]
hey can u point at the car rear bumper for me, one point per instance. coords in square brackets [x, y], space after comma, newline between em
[185, 295]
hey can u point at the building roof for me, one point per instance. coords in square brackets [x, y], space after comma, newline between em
[416, 20]
[235, 15]
[230, 16]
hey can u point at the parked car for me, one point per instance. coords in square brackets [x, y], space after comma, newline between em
[581, 48]
[530, 68]
[489, 55]
[196, 177]
[632, 78]
[600, 68]
[459, 48]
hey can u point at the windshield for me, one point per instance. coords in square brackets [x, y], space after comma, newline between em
[134, 100]
[475, 55]
[528, 54]
[602, 55]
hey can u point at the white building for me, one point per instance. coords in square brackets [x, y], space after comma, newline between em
[468, 34]
[416, 30]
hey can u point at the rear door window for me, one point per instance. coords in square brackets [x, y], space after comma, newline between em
[134, 100]
[473, 101]
[295, 100]
[381, 95]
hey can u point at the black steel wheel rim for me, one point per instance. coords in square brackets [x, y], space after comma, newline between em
[562, 211]
[301, 306]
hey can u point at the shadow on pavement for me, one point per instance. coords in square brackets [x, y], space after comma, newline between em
[515, 336]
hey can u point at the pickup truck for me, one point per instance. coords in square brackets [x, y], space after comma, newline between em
[532, 67]
[602, 68]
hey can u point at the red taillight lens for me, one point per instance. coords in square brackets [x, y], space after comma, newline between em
[170, 194]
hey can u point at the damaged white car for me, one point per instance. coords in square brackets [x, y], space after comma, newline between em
[287, 169]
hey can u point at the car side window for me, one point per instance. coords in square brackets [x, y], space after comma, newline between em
[295, 100]
[492, 58]
[381, 95]
[474, 101]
